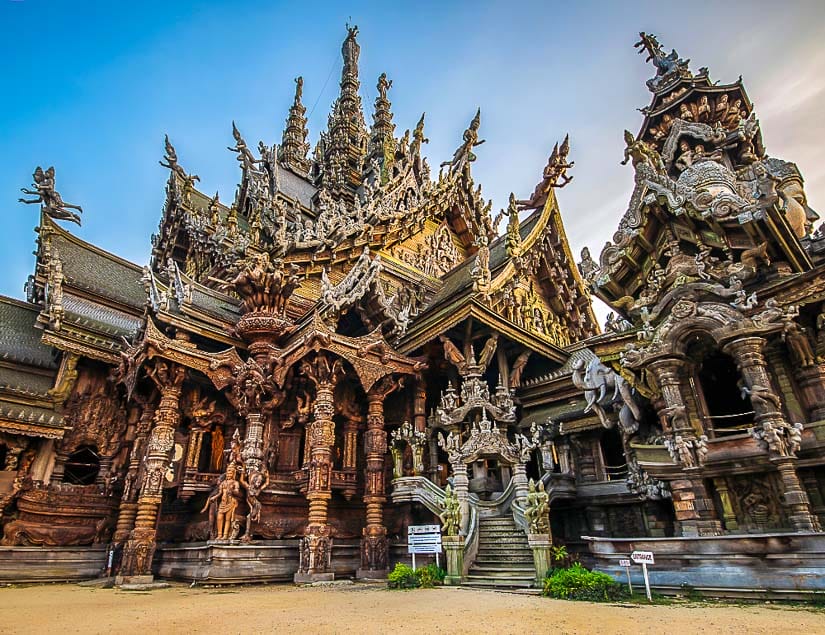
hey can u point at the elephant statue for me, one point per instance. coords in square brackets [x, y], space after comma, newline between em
[605, 390]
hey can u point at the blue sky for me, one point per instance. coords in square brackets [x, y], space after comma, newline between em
[91, 88]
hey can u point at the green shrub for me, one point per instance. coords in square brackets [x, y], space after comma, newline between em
[430, 576]
[402, 577]
[577, 583]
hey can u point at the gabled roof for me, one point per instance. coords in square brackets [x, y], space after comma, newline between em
[91, 269]
[19, 339]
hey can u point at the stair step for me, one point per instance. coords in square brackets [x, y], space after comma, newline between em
[493, 570]
[497, 582]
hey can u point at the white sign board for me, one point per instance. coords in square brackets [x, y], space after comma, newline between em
[424, 539]
[624, 562]
[640, 557]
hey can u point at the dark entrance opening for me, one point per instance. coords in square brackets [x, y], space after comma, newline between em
[615, 463]
[727, 409]
[82, 466]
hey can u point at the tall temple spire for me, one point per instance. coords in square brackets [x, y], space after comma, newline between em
[382, 140]
[294, 146]
[347, 131]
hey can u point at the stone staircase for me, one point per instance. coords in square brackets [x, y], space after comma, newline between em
[504, 559]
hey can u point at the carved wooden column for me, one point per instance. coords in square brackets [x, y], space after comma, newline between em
[316, 546]
[140, 548]
[420, 406]
[721, 485]
[794, 496]
[811, 382]
[747, 352]
[694, 508]
[128, 501]
[349, 458]
[374, 546]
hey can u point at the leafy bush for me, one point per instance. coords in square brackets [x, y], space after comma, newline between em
[402, 577]
[431, 575]
[558, 553]
[577, 583]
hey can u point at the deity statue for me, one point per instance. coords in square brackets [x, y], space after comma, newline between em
[791, 190]
[464, 155]
[245, 156]
[171, 159]
[587, 267]
[451, 516]
[537, 508]
[798, 344]
[554, 171]
[223, 504]
[50, 200]
[418, 140]
[256, 483]
[639, 152]
[518, 368]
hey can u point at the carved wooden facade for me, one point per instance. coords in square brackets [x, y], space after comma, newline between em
[284, 356]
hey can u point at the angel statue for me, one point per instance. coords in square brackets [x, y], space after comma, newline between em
[50, 200]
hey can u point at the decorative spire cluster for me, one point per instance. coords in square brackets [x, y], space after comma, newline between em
[346, 139]
[382, 139]
[294, 146]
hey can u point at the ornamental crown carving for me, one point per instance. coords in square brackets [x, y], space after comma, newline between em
[263, 284]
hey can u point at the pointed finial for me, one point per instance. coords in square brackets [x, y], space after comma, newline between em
[476, 122]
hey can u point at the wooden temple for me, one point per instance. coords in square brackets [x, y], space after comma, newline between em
[299, 374]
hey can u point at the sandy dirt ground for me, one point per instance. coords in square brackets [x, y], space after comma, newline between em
[356, 609]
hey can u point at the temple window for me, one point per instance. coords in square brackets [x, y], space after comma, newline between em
[615, 463]
[716, 383]
[82, 466]
[205, 456]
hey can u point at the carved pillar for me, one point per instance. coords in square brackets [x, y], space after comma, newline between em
[253, 446]
[128, 501]
[814, 495]
[461, 487]
[193, 451]
[694, 508]
[667, 373]
[374, 545]
[811, 382]
[794, 496]
[350, 444]
[747, 351]
[728, 514]
[420, 406]
[316, 546]
[520, 481]
[140, 548]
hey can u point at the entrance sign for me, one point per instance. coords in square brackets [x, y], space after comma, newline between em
[643, 558]
[640, 557]
[624, 562]
[424, 539]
